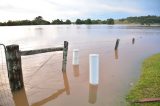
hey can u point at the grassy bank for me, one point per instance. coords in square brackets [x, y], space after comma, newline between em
[148, 85]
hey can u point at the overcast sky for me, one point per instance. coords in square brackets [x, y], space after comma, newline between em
[73, 9]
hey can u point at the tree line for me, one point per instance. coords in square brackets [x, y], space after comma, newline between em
[40, 21]
[37, 21]
[89, 21]
[143, 20]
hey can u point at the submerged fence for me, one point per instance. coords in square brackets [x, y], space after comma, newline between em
[14, 66]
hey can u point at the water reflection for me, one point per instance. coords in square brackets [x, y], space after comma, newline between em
[58, 93]
[116, 54]
[38, 28]
[66, 83]
[92, 93]
[133, 40]
[20, 98]
[89, 27]
[76, 70]
[98, 33]
[38, 31]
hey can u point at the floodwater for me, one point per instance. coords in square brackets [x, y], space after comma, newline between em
[46, 85]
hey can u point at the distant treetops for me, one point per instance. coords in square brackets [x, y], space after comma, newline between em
[89, 21]
[144, 20]
[40, 21]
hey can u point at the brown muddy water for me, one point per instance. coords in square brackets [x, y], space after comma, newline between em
[46, 85]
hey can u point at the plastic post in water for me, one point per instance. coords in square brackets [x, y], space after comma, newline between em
[75, 59]
[94, 69]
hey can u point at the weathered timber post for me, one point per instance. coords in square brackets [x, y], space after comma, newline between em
[65, 50]
[133, 40]
[117, 43]
[13, 59]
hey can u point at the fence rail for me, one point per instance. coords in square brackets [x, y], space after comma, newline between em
[32, 52]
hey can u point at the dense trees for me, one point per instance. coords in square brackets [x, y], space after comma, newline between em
[144, 20]
[89, 21]
[37, 21]
[68, 21]
[110, 21]
[40, 21]
[57, 21]
[79, 21]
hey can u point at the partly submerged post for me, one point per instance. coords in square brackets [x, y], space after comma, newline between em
[65, 50]
[15, 75]
[94, 69]
[117, 44]
[75, 58]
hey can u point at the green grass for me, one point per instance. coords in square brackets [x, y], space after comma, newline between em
[148, 85]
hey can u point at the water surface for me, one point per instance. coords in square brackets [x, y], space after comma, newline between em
[46, 85]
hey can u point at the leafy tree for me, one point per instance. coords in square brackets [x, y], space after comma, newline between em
[39, 18]
[10, 23]
[68, 22]
[57, 21]
[79, 21]
[2, 24]
[104, 22]
[110, 21]
[88, 21]
[96, 22]
[39, 21]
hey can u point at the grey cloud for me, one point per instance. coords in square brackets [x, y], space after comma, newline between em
[6, 7]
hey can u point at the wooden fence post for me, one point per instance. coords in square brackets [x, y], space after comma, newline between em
[13, 59]
[65, 50]
[117, 43]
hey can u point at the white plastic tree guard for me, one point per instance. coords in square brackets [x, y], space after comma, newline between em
[75, 58]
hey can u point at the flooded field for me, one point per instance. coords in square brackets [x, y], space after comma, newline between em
[46, 85]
